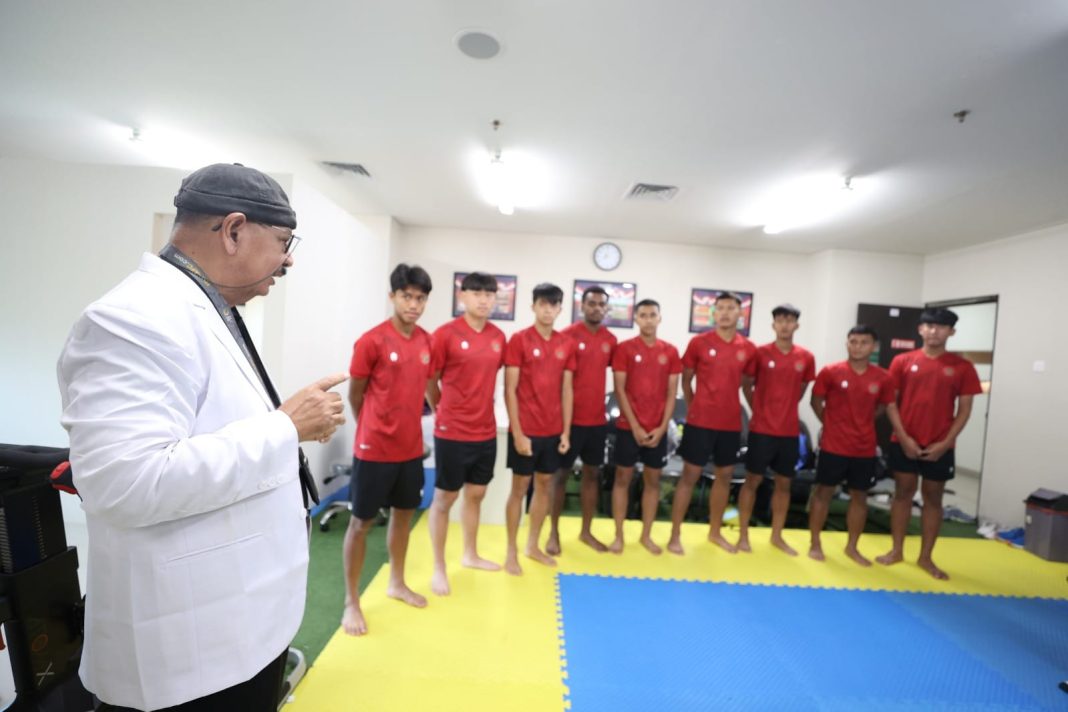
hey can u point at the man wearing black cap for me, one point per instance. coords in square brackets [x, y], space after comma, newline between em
[776, 378]
[930, 382]
[188, 463]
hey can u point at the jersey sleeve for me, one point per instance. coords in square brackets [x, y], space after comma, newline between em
[439, 347]
[810, 369]
[969, 380]
[887, 391]
[821, 386]
[674, 362]
[689, 359]
[752, 363]
[513, 352]
[897, 371]
[364, 356]
[619, 359]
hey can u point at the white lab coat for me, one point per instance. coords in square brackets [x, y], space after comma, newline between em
[198, 550]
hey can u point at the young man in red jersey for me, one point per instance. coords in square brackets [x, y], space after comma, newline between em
[776, 379]
[714, 415]
[467, 353]
[594, 345]
[930, 381]
[646, 372]
[847, 398]
[539, 369]
[390, 367]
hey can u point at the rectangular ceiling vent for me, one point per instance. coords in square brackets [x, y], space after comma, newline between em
[651, 191]
[354, 168]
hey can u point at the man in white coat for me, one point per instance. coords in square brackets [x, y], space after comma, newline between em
[187, 463]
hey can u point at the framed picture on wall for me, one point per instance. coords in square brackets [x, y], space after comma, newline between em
[621, 297]
[703, 310]
[503, 310]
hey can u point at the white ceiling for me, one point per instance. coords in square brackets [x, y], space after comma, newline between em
[722, 98]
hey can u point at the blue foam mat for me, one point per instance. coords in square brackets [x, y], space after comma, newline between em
[639, 644]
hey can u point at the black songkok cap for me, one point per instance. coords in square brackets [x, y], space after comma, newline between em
[224, 188]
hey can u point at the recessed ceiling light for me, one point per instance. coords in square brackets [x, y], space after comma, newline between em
[478, 44]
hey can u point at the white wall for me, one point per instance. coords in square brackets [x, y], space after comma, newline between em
[1024, 445]
[826, 286]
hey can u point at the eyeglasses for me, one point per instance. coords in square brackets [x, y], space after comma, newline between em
[292, 240]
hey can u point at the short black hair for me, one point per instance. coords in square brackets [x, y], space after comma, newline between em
[548, 292]
[863, 329]
[786, 310]
[404, 275]
[595, 289]
[479, 282]
[729, 295]
[646, 303]
[939, 315]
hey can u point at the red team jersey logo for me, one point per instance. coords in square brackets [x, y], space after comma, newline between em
[496, 346]
[873, 388]
[424, 357]
[560, 354]
[606, 347]
[799, 366]
[741, 355]
[948, 370]
[662, 359]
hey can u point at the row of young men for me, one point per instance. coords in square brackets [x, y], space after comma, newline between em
[555, 397]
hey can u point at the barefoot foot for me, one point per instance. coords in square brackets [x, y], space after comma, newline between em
[439, 583]
[856, 556]
[511, 565]
[552, 546]
[929, 566]
[816, 553]
[474, 561]
[728, 547]
[889, 558]
[540, 556]
[779, 543]
[616, 547]
[402, 593]
[675, 547]
[591, 541]
[352, 620]
[651, 546]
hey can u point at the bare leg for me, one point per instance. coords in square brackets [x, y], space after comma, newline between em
[588, 495]
[856, 517]
[354, 549]
[620, 499]
[817, 517]
[900, 511]
[439, 530]
[930, 523]
[559, 494]
[513, 511]
[780, 505]
[472, 506]
[717, 505]
[400, 522]
[650, 501]
[683, 493]
[746, 501]
[539, 507]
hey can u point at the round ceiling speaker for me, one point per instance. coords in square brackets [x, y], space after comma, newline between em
[477, 44]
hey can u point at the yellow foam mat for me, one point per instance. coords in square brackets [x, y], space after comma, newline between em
[493, 644]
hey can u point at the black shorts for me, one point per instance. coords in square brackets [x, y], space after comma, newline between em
[376, 485]
[699, 443]
[459, 462]
[939, 471]
[628, 451]
[587, 444]
[544, 457]
[857, 472]
[774, 451]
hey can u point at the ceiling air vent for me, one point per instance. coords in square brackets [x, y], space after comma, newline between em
[651, 191]
[354, 168]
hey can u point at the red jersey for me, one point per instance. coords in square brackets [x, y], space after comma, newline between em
[389, 424]
[850, 401]
[468, 361]
[779, 381]
[718, 365]
[648, 369]
[541, 363]
[593, 355]
[927, 392]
